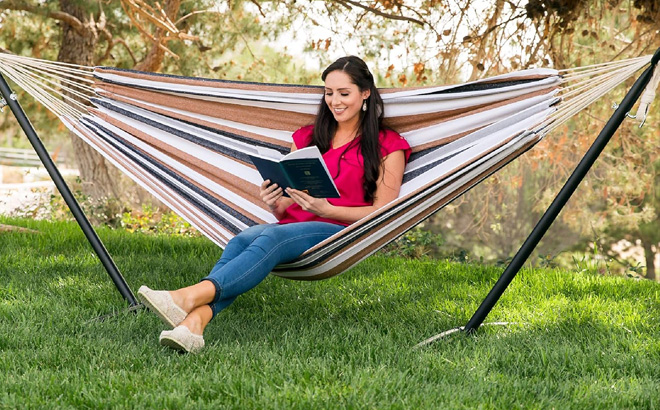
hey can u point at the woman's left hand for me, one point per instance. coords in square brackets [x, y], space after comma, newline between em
[317, 206]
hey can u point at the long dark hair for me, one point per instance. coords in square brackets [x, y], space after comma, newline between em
[371, 121]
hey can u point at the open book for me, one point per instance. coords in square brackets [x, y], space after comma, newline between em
[303, 169]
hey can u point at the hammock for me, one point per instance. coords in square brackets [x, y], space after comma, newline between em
[186, 139]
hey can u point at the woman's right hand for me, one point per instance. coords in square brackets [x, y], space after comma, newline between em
[270, 194]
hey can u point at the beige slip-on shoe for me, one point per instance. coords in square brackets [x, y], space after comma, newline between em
[160, 302]
[181, 338]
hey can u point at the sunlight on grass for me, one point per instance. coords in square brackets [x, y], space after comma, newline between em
[577, 341]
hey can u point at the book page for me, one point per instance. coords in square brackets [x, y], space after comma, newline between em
[307, 152]
[269, 153]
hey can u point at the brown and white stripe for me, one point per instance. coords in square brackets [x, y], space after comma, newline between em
[186, 140]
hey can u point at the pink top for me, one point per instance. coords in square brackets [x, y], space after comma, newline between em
[351, 175]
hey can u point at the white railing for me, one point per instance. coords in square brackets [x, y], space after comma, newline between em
[20, 157]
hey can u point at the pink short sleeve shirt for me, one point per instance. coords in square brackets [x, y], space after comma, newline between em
[345, 166]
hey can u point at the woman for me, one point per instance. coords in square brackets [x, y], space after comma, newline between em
[348, 131]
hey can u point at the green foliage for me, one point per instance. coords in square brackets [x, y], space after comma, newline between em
[25, 34]
[234, 43]
[616, 200]
[99, 211]
[416, 243]
[109, 212]
[30, 35]
[577, 340]
[152, 220]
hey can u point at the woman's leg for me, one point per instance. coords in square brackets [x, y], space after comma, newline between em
[244, 270]
[198, 318]
[276, 244]
[202, 293]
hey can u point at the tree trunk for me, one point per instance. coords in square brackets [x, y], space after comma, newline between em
[649, 257]
[99, 179]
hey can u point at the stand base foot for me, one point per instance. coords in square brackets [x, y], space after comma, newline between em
[130, 309]
[456, 330]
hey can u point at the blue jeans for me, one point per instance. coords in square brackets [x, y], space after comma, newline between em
[250, 256]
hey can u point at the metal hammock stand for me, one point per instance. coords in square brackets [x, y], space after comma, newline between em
[622, 111]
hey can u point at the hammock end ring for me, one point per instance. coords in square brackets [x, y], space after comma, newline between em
[641, 124]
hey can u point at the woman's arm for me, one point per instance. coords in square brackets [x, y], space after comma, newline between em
[386, 191]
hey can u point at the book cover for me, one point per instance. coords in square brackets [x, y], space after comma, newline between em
[303, 169]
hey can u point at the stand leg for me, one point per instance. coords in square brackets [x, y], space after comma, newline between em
[562, 197]
[64, 190]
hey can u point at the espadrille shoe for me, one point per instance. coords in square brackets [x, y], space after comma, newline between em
[160, 302]
[181, 338]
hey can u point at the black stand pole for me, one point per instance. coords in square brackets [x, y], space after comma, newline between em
[73, 205]
[562, 197]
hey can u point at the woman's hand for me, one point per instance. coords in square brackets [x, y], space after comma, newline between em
[270, 194]
[317, 206]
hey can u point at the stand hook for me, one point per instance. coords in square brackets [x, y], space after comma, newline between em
[3, 102]
[628, 114]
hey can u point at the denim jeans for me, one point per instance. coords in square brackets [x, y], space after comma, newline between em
[250, 256]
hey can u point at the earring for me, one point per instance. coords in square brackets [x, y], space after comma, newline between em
[364, 105]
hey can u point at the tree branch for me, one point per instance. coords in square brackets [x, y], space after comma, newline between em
[503, 23]
[348, 3]
[422, 20]
[240, 33]
[111, 43]
[256, 3]
[18, 5]
[194, 13]
[616, 57]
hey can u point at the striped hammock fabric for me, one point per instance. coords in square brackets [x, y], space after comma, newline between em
[187, 140]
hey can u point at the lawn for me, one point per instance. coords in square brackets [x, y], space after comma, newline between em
[579, 340]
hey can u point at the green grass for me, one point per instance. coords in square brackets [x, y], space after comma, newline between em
[582, 341]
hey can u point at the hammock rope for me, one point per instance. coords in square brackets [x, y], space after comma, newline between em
[648, 96]
[586, 92]
[186, 140]
[591, 67]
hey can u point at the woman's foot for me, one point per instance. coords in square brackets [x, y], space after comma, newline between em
[187, 336]
[182, 339]
[161, 303]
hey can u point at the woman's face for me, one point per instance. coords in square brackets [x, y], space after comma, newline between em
[343, 97]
